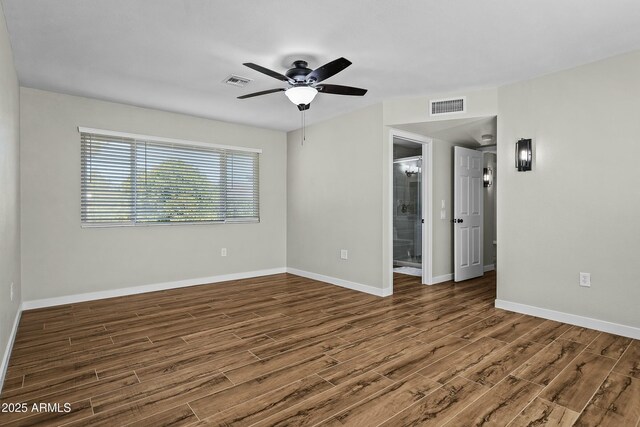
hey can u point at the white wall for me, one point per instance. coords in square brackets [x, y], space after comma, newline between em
[9, 195]
[577, 211]
[334, 198]
[61, 258]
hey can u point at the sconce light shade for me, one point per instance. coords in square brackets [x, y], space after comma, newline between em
[523, 155]
[487, 177]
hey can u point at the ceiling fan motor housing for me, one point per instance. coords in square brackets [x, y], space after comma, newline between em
[299, 71]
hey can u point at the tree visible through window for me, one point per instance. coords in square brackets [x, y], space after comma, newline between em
[133, 182]
[177, 191]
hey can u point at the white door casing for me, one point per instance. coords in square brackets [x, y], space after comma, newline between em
[468, 214]
[425, 208]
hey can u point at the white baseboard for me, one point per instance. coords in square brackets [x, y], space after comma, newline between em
[71, 299]
[489, 267]
[380, 292]
[7, 350]
[440, 279]
[572, 319]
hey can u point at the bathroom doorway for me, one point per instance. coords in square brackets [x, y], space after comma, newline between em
[409, 208]
[407, 215]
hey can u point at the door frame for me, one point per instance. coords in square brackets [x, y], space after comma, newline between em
[427, 210]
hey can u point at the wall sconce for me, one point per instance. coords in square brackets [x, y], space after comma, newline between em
[487, 177]
[523, 155]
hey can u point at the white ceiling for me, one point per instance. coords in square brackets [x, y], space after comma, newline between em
[173, 54]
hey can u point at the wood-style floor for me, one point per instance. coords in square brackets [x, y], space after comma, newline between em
[285, 350]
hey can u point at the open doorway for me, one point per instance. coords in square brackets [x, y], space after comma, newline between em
[410, 206]
[477, 133]
[407, 208]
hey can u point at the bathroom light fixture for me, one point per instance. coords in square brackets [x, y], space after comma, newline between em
[412, 170]
[523, 155]
[487, 138]
[487, 177]
[301, 95]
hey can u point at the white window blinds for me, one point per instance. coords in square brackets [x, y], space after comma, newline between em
[133, 181]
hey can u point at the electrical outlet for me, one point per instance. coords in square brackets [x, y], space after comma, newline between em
[585, 280]
[223, 252]
[11, 291]
[344, 254]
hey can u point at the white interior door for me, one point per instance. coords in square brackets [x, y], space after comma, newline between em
[467, 214]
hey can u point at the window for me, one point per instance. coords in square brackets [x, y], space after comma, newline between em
[136, 180]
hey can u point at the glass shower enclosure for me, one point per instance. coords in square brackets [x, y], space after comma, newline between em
[407, 213]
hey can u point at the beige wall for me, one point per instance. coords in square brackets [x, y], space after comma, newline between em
[442, 190]
[489, 252]
[577, 211]
[61, 258]
[480, 103]
[9, 193]
[334, 198]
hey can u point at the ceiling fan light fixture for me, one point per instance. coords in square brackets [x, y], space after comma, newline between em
[301, 94]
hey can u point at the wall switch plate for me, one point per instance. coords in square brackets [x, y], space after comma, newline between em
[443, 214]
[223, 252]
[11, 291]
[585, 279]
[344, 254]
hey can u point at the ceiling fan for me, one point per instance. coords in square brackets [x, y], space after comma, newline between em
[304, 82]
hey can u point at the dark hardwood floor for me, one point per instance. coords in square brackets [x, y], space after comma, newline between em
[285, 350]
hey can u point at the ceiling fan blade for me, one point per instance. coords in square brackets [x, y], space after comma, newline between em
[264, 92]
[328, 70]
[303, 107]
[341, 90]
[268, 72]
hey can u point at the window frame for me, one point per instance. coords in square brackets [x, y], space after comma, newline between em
[141, 138]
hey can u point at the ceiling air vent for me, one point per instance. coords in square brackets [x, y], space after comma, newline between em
[237, 80]
[448, 106]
